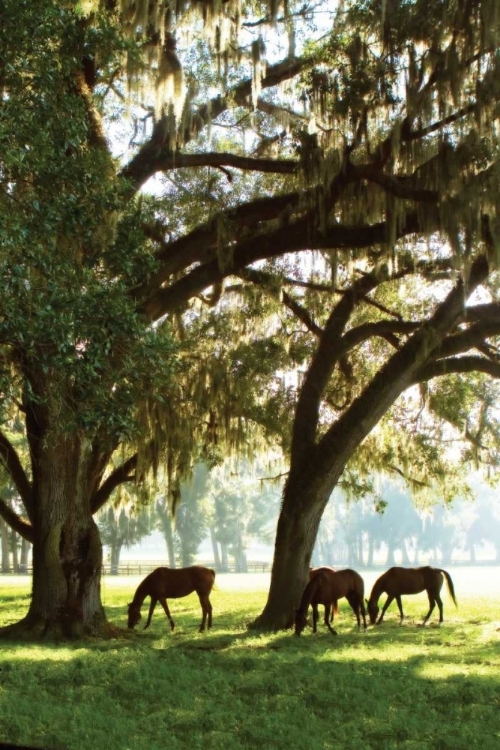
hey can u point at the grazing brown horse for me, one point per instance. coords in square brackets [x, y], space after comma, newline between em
[173, 583]
[326, 587]
[397, 581]
[335, 604]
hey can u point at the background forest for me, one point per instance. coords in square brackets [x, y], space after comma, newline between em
[227, 519]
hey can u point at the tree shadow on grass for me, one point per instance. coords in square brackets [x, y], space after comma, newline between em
[252, 689]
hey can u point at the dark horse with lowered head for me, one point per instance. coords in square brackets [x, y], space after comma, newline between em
[173, 583]
[326, 587]
[397, 581]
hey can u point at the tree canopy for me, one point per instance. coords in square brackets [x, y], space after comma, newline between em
[201, 201]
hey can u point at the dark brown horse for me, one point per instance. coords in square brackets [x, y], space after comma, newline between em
[397, 581]
[335, 604]
[326, 587]
[172, 583]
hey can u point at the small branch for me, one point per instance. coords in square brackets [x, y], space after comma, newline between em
[14, 467]
[119, 476]
[15, 521]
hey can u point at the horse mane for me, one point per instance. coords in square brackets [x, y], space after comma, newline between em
[141, 592]
[378, 588]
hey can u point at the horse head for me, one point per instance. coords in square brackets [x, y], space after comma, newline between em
[300, 621]
[134, 615]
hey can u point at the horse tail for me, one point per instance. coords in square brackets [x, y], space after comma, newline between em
[451, 588]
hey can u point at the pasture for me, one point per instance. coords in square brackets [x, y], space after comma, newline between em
[391, 687]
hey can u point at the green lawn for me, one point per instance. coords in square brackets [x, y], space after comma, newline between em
[392, 687]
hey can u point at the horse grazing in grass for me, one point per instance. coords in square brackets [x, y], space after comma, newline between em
[397, 581]
[335, 604]
[173, 583]
[326, 587]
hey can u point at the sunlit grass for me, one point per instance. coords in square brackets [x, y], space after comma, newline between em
[432, 688]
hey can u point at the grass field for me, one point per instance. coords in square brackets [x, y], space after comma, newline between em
[391, 687]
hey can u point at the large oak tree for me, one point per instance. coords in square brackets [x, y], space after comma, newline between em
[370, 143]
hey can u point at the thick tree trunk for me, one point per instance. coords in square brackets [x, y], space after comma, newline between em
[303, 506]
[67, 550]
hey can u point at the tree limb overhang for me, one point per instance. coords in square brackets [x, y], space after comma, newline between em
[295, 237]
[155, 151]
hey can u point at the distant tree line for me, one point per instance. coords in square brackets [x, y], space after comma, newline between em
[229, 504]
[232, 506]
[391, 528]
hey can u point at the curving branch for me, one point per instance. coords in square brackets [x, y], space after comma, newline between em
[15, 521]
[291, 238]
[157, 149]
[457, 365]
[169, 161]
[14, 467]
[324, 361]
[119, 476]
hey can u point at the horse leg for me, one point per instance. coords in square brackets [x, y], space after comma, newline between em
[206, 609]
[151, 610]
[440, 605]
[432, 604]
[363, 611]
[315, 612]
[360, 612]
[328, 609]
[400, 607]
[164, 604]
[389, 601]
[354, 604]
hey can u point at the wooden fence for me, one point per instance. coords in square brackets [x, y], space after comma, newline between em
[143, 567]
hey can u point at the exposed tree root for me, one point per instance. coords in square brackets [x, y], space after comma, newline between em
[37, 629]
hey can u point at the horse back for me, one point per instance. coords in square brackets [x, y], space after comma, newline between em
[175, 583]
[397, 580]
[352, 581]
[327, 585]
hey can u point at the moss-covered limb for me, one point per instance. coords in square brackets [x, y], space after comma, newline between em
[124, 473]
[458, 365]
[327, 355]
[154, 153]
[399, 371]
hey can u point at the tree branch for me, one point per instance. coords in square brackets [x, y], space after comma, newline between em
[453, 366]
[12, 463]
[15, 521]
[145, 163]
[119, 476]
